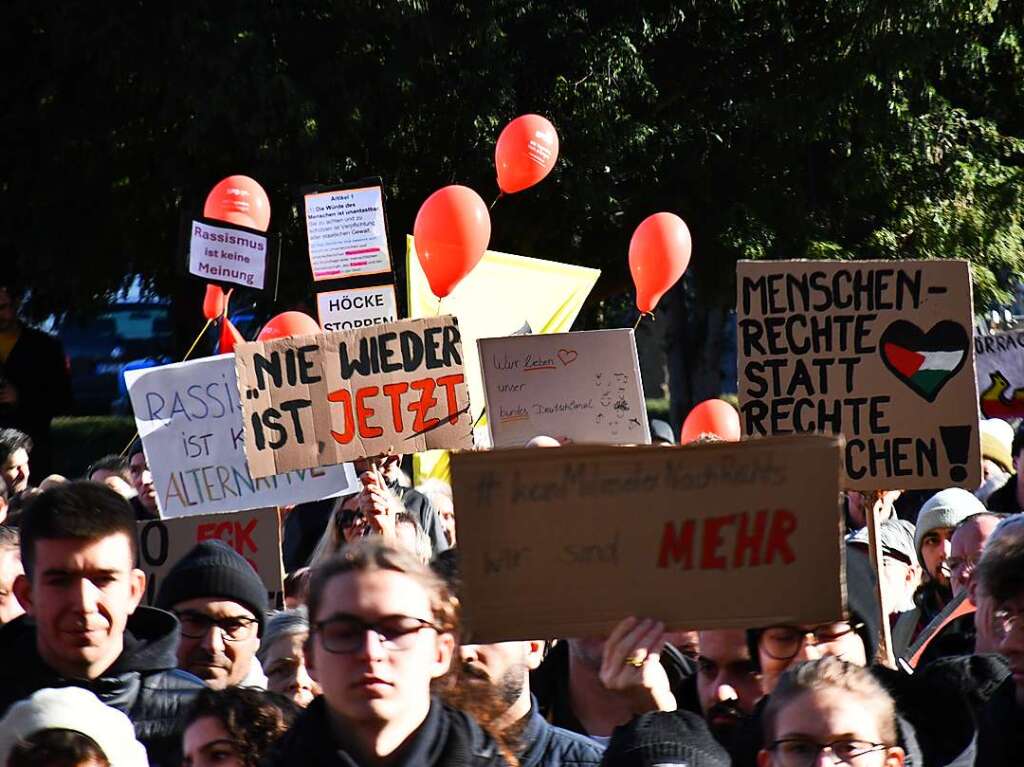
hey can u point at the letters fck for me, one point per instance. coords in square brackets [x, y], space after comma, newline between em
[238, 535]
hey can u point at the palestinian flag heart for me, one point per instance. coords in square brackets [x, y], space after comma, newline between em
[924, 361]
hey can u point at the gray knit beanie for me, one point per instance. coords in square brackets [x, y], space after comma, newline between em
[944, 509]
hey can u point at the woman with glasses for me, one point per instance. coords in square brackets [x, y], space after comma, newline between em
[833, 708]
[383, 631]
[779, 647]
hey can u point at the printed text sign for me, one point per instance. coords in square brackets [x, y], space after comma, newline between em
[221, 254]
[190, 421]
[1000, 361]
[320, 400]
[567, 542]
[346, 233]
[585, 386]
[356, 307]
[877, 351]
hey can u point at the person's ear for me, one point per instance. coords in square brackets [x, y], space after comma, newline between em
[534, 650]
[137, 586]
[895, 757]
[445, 649]
[23, 592]
[764, 758]
[307, 651]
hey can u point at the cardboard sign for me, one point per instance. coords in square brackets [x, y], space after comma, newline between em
[319, 400]
[878, 351]
[224, 254]
[356, 307]
[256, 535]
[190, 421]
[1000, 361]
[346, 233]
[585, 386]
[727, 535]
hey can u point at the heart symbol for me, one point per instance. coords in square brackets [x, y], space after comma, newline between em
[567, 356]
[924, 361]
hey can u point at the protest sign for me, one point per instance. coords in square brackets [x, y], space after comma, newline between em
[999, 358]
[226, 254]
[319, 400]
[346, 233]
[255, 534]
[727, 535]
[878, 351]
[585, 386]
[356, 307]
[190, 421]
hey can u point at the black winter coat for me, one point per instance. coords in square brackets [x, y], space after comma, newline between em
[447, 738]
[143, 683]
[1001, 729]
[544, 745]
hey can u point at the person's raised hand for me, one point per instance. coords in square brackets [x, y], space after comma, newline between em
[631, 665]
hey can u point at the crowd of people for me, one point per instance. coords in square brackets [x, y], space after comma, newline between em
[366, 662]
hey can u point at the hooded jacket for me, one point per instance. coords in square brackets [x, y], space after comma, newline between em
[143, 683]
[544, 745]
[447, 738]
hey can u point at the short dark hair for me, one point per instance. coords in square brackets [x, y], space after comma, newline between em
[56, 747]
[1018, 442]
[115, 463]
[11, 440]
[82, 510]
[10, 538]
[254, 719]
[135, 449]
[1001, 568]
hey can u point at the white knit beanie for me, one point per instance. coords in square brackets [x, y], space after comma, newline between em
[72, 708]
[946, 508]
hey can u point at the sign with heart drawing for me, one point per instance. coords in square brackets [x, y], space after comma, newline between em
[584, 387]
[878, 351]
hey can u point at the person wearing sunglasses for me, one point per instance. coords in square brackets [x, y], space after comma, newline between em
[383, 633]
[833, 709]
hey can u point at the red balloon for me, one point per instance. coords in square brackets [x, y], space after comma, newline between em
[712, 416]
[525, 153]
[289, 324]
[659, 253]
[239, 200]
[229, 336]
[452, 230]
[214, 302]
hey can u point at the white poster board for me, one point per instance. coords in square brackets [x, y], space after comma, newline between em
[346, 233]
[584, 386]
[190, 420]
[222, 254]
[999, 358]
[356, 307]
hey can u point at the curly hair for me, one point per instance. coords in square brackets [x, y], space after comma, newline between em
[254, 719]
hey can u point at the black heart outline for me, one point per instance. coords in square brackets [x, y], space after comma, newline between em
[943, 336]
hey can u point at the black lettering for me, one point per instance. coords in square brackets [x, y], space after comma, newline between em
[387, 352]
[412, 350]
[306, 364]
[263, 366]
[293, 406]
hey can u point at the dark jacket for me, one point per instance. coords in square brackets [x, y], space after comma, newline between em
[1004, 500]
[143, 682]
[1001, 729]
[420, 507]
[447, 737]
[544, 745]
[303, 528]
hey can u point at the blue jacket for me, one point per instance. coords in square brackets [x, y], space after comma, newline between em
[550, 746]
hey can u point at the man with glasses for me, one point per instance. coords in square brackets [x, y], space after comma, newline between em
[966, 545]
[221, 604]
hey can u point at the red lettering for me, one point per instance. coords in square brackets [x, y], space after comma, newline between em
[223, 527]
[243, 536]
[709, 557]
[364, 412]
[449, 383]
[422, 406]
[344, 396]
[204, 531]
[395, 392]
[749, 543]
[678, 547]
[783, 525]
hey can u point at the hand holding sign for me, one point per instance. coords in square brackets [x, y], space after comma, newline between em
[631, 665]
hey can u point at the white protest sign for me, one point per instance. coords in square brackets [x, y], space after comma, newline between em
[346, 233]
[585, 386]
[218, 253]
[999, 358]
[356, 307]
[190, 420]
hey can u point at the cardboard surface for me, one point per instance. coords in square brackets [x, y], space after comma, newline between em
[1000, 366]
[879, 351]
[565, 542]
[346, 233]
[356, 307]
[585, 386]
[190, 421]
[319, 400]
[223, 254]
[255, 534]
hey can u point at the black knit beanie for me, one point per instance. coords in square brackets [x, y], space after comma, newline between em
[214, 569]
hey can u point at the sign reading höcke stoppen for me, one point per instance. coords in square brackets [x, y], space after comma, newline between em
[228, 254]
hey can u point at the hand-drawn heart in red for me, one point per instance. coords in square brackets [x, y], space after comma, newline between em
[567, 356]
[925, 362]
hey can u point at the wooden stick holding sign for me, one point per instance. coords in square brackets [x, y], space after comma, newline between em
[873, 512]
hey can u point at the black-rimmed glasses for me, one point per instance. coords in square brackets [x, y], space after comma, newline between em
[196, 625]
[785, 642]
[802, 752]
[344, 634]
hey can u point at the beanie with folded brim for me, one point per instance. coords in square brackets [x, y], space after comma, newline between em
[78, 710]
[214, 569]
[947, 508]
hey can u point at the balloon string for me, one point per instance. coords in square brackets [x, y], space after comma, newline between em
[500, 195]
[438, 312]
[642, 315]
[188, 354]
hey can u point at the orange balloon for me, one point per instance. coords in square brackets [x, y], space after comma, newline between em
[525, 153]
[659, 253]
[289, 324]
[452, 230]
[239, 200]
[213, 302]
[229, 336]
[712, 416]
